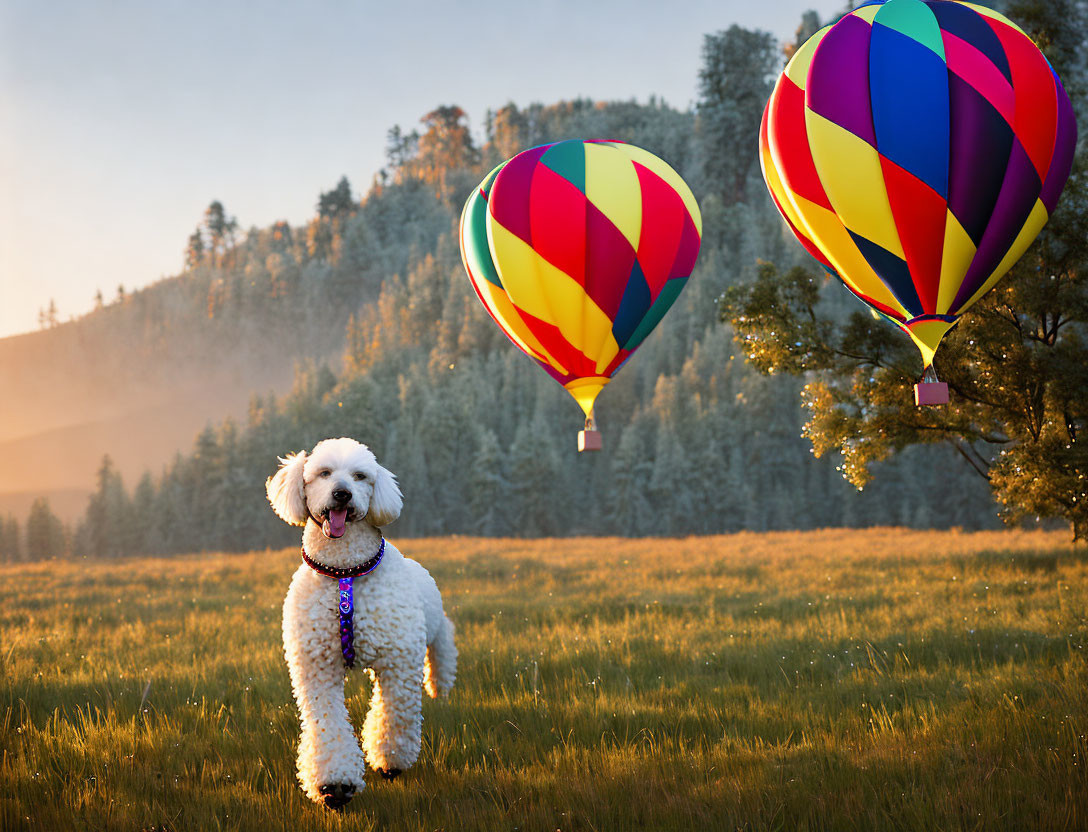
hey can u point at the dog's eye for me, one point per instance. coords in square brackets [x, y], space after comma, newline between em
[325, 473]
[359, 475]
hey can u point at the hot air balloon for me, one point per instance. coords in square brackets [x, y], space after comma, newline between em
[577, 249]
[916, 149]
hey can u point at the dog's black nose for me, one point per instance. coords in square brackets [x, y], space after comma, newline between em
[341, 496]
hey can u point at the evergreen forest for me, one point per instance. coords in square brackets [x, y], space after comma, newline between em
[370, 304]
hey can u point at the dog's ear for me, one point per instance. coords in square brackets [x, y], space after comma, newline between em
[385, 500]
[286, 490]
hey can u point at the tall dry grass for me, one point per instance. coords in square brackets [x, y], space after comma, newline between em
[879, 679]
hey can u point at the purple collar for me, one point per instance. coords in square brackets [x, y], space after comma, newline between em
[346, 605]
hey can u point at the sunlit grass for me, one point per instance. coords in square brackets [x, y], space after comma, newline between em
[881, 679]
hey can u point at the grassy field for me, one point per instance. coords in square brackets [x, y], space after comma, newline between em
[881, 679]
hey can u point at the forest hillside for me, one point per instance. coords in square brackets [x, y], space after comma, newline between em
[363, 323]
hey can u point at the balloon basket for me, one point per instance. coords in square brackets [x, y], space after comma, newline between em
[589, 440]
[930, 393]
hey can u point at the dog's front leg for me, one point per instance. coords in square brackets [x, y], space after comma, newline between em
[330, 763]
[394, 724]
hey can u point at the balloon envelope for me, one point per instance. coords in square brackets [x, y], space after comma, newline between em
[916, 149]
[577, 249]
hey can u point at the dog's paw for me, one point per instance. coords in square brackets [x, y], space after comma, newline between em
[336, 795]
[389, 773]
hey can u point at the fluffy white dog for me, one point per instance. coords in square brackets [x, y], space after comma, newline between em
[356, 601]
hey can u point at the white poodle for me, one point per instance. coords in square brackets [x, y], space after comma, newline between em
[356, 601]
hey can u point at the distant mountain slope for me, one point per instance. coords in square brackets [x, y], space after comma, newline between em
[141, 424]
[137, 378]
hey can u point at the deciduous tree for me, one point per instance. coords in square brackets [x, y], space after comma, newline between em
[1016, 365]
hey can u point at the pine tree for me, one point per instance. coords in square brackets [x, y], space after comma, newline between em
[338, 204]
[194, 251]
[208, 489]
[406, 460]
[11, 549]
[735, 80]
[670, 487]
[630, 504]
[401, 150]
[105, 533]
[810, 25]
[143, 530]
[533, 470]
[488, 493]
[45, 536]
[221, 229]
[443, 428]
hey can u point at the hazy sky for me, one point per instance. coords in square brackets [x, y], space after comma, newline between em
[120, 121]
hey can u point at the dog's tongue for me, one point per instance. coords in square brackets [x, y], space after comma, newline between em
[334, 523]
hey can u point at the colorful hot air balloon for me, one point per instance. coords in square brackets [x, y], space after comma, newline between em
[577, 249]
[916, 149]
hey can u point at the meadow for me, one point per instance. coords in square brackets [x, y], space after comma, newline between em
[876, 679]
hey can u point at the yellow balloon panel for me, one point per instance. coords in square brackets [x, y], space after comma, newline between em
[503, 311]
[665, 171]
[585, 391]
[797, 68]
[546, 292]
[956, 257]
[827, 230]
[850, 172]
[927, 335]
[612, 186]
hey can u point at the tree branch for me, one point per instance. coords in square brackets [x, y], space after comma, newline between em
[962, 431]
[963, 452]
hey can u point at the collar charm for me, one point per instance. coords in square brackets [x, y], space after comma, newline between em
[347, 622]
[346, 600]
